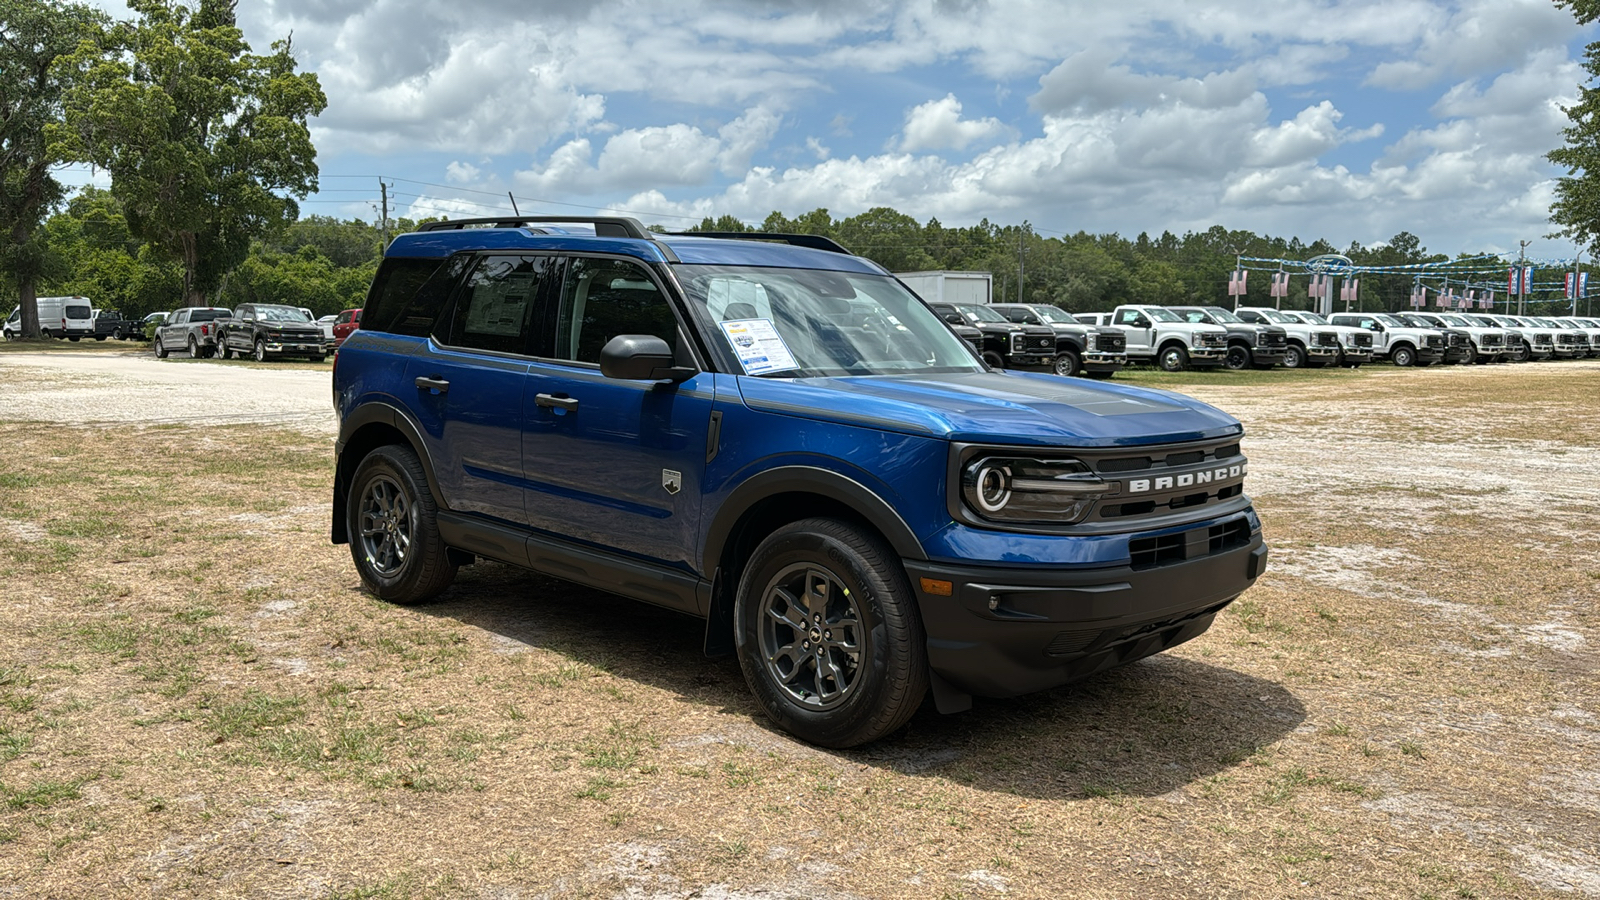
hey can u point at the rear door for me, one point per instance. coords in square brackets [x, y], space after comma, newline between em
[615, 463]
[469, 380]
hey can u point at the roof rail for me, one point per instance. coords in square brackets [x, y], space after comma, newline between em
[604, 226]
[814, 241]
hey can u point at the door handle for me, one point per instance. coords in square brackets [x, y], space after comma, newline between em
[433, 384]
[551, 401]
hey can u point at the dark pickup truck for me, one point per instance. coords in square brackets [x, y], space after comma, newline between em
[109, 323]
[269, 330]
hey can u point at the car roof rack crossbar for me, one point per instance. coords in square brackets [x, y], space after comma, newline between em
[814, 241]
[604, 226]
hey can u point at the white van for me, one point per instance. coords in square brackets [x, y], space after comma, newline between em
[68, 317]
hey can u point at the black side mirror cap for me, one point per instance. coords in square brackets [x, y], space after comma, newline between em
[641, 357]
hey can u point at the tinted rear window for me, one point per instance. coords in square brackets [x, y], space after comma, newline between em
[397, 300]
[207, 315]
[79, 312]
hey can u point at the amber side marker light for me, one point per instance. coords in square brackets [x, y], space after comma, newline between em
[937, 588]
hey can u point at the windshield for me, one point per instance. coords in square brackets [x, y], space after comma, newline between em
[280, 314]
[1455, 320]
[1055, 314]
[1311, 318]
[1224, 317]
[1275, 317]
[980, 313]
[803, 322]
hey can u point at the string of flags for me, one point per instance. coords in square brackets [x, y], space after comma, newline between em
[1519, 282]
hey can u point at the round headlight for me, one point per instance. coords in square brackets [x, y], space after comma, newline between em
[992, 485]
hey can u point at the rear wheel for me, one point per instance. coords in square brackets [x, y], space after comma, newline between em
[194, 349]
[828, 634]
[1067, 363]
[393, 526]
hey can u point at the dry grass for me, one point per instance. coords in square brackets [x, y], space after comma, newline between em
[196, 699]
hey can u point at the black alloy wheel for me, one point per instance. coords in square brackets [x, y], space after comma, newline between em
[1238, 357]
[828, 634]
[392, 522]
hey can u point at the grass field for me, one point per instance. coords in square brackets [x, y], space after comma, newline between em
[197, 699]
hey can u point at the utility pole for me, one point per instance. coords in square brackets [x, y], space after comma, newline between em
[383, 224]
[1022, 249]
[1522, 270]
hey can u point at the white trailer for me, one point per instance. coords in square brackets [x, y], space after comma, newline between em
[950, 287]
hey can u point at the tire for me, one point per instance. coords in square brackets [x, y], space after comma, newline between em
[1472, 355]
[261, 350]
[100, 337]
[393, 528]
[73, 339]
[1173, 358]
[1067, 363]
[318, 358]
[1294, 357]
[1403, 356]
[812, 579]
[161, 350]
[1238, 358]
[194, 348]
[993, 359]
[1523, 353]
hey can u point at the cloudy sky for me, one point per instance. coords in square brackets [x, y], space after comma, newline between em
[1349, 120]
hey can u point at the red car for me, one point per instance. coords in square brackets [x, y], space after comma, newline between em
[348, 321]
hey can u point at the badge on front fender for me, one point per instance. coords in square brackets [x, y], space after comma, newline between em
[671, 481]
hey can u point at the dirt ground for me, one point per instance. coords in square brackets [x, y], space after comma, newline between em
[197, 700]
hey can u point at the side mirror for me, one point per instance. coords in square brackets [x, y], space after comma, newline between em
[641, 357]
[954, 319]
[1141, 322]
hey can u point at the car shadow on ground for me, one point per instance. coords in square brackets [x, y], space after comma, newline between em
[1144, 729]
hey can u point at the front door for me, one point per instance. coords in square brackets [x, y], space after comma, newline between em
[1141, 338]
[615, 463]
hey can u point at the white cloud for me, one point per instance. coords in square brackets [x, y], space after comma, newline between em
[937, 125]
[458, 172]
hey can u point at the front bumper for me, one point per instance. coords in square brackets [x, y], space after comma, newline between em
[1268, 356]
[1029, 360]
[1105, 362]
[1207, 356]
[1357, 354]
[1009, 631]
[306, 347]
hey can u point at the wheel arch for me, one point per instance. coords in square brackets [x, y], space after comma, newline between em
[367, 428]
[767, 502]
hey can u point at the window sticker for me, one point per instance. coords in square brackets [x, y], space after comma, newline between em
[758, 345]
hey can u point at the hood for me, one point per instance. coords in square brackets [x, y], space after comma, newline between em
[1018, 408]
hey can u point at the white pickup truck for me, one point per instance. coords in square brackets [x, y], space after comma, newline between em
[1392, 338]
[1310, 346]
[1160, 336]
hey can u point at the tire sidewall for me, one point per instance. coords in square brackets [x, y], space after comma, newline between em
[1403, 356]
[261, 350]
[1172, 359]
[839, 726]
[1238, 358]
[391, 462]
[1294, 357]
[1066, 363]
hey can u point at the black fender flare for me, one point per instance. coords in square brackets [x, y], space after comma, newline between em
[808, 480]
[367, 414]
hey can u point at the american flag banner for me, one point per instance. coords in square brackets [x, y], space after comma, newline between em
[1236, 282]
[1488, 301]
[1320, 286]
[1469, 299]
[1280, 284]
[1419, 296]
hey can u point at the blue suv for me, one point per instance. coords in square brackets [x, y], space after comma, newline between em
[779, 437]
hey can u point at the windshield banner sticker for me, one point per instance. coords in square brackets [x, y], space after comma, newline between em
[759, 346]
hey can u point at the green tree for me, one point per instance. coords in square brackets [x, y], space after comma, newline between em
[34, 35]
[1577, 205]
[203, 139]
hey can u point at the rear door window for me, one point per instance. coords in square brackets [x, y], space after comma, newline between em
[496, 307]
[79, 312]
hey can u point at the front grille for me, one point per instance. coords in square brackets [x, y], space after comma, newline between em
[1363, 340]
[1457, 340]
[1212, 339]
[1113, 343]
[1196, 543]
[1494, 340]
[1436, 341]
[1042, 342]
[1325, 339]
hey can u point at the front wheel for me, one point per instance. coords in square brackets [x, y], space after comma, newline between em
[1294, 357]
[828, 634]
[993, 359]
[1067, 363]
[393, 526]
[1238, 358]
[261, 350]
[1403, 356]
[1173, 359]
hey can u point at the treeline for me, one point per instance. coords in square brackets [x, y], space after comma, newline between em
[326, 264]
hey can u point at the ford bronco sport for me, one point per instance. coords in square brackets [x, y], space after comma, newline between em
[778, 437]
